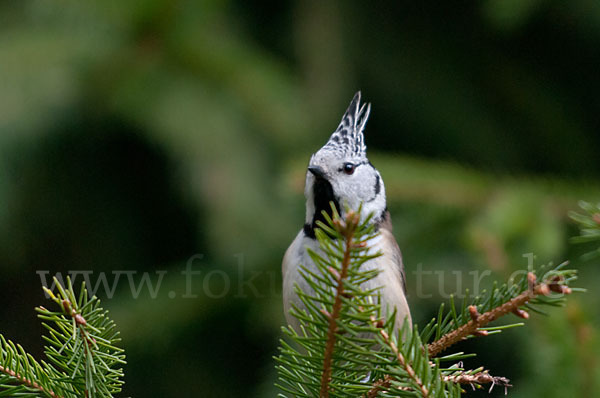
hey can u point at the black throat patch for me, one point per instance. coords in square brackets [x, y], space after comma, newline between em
[323, 194]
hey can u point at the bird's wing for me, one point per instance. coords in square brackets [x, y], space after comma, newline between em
[385, 229]
[292, 256]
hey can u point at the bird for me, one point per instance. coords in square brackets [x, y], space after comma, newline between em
[340, 172]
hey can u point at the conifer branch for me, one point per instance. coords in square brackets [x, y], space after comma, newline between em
[474, 378]
[82, 342]
[478, 378]
[84, 361]
[335, 280]
[556, 284]
[379, 385]
[589, 226]
[21, 374]
[347, 229]
[345, 346]
[401, 360]
[30, 384]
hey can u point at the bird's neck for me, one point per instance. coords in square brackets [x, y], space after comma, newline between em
[320, 200]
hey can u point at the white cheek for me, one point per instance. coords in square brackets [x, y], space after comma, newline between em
[349, 192]
[310, 202]
[362, 189]
[376, 206]
[308, 183]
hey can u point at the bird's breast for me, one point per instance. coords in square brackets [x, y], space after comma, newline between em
[389, 278]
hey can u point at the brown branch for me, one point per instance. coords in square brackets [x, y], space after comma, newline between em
[479, 320]
[472, 328]
[380, 385]
[24, 381]
[20, 379]
[476, 379]
[383, 385]
[386, 382]
[347, 228]
[479, 379]
[80, 322]
[81, 325]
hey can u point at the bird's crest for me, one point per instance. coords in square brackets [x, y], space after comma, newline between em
[348, 138]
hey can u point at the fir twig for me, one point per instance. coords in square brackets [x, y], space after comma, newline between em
[347, 228]
[18, 378]
[82, 342]
[84, 361]
[328, 285]
[478, 378]
[401, 360]
[589, 225]
[379, 385]
[346, 348]
[512, 306]
[472, 378]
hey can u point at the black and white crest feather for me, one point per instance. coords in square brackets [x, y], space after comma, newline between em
[348, 139]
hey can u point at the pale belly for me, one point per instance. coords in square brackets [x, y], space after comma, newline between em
[389, 278]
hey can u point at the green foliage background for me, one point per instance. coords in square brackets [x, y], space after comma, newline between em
[134, 135]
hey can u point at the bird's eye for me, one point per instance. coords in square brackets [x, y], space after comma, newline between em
[349, 168]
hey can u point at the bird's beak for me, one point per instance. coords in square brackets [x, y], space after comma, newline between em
[317, 171]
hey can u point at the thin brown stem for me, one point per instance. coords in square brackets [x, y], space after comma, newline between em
[71, 310]
[386, 382]
[26, 382]
[379, 385]
[512, 306]
[478, 379]
[471, 328]
[347, 228]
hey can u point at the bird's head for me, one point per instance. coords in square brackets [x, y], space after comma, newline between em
[341, 172]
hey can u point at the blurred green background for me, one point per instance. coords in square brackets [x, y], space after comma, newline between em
[147, 135]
